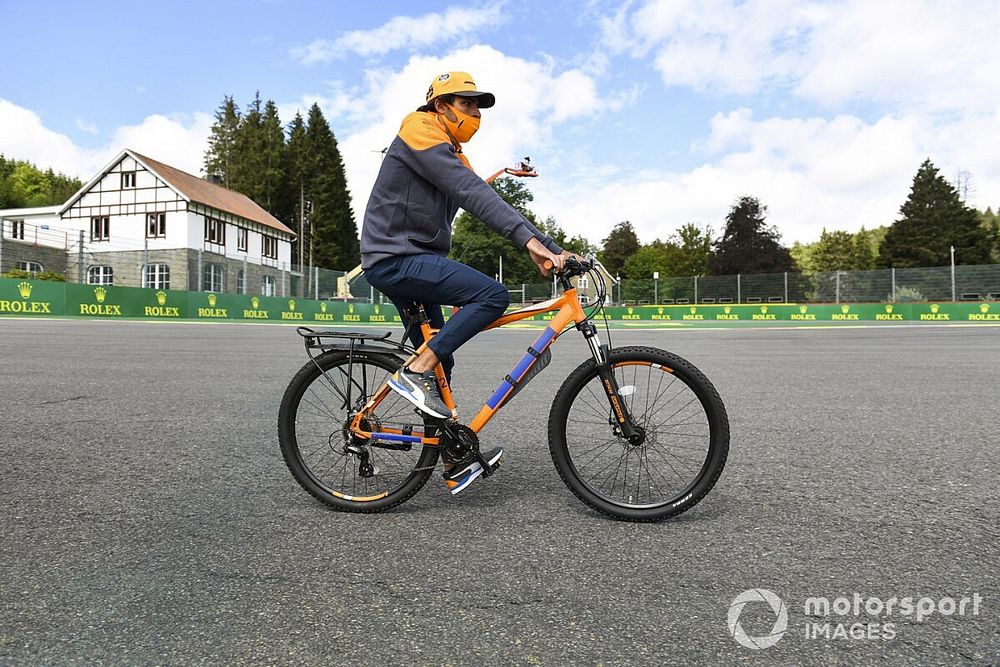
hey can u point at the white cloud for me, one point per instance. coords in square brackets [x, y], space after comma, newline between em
[179, 141]
[86, 126]
[918, 54]
[403, 33]
[839, 173]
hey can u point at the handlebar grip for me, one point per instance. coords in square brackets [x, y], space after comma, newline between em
[548, 265]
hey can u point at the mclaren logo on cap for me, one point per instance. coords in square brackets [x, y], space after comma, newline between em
[444, 77]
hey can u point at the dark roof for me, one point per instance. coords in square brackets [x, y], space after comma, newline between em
[215, 196]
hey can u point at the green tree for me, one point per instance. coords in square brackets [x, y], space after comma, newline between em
[933, 218]
[619, 245]
[990, 221]
[693, 249]
[247, 166]
[475, 244]
[747, 244]
[23, 185]
[333, 231]
[648, 259]
[297, 171]
[221, 153]
[835, 251]
[578, 243]
[272, 159]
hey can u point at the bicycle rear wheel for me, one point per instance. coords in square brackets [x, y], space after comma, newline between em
[317, 446]
[685, 436]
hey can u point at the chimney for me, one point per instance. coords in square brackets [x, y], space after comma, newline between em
[215, 179]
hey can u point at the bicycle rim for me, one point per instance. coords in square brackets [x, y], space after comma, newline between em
[325, 463]
[670, 407]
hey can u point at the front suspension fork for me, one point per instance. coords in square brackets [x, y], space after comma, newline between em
[619, 408]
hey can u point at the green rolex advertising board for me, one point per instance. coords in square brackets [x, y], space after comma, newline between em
[38, 298]
[32, 298]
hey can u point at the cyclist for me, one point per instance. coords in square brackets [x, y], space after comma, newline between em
[406, 237]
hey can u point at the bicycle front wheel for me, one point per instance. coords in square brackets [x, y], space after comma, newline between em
[313, 429]
[684, 443]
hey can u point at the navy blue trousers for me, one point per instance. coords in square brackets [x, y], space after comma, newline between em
[434, 281]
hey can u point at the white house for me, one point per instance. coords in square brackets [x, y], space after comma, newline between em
[140, 222]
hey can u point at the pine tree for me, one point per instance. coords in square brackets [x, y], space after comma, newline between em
[222, 142]
[333, 231]
[619, 245]
[248, 164]
[272, 159]
[747, 244]
[296, 171]
[934, 219]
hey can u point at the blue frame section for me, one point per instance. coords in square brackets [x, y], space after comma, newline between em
[399, 437]
[522, 367]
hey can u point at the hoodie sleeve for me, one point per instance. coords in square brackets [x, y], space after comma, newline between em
[428, 152]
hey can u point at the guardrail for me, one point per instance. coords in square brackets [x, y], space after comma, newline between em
[39, 298]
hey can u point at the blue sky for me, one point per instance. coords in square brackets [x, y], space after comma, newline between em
[659, 112]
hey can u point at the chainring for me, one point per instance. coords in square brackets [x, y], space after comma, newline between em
[458, 440]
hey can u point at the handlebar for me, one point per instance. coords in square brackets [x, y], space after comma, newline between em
[571, 267]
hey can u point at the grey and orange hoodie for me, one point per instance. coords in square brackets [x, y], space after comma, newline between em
[423, 181]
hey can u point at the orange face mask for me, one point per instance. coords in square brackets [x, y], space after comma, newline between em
[463, 127]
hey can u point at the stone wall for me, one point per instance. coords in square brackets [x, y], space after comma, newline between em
[126, 266]
[51, 259]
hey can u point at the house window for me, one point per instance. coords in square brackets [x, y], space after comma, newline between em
[215, 231]
[156, 276]
[128, 179]
[270, 247]
[267, 286]
[156, 225]
[241, 239]
[100, 228]
[241, 282]
[34, 268]
[100, 275]
[211, 280]
[583, 283]
[17, 229]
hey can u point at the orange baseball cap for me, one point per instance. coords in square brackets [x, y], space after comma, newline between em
[459, 83]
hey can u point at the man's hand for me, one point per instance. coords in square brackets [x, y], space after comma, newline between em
[541, 255]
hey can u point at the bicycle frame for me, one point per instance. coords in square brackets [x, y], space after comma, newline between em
[568, 311]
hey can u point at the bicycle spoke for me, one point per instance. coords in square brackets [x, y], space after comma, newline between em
[676, 441]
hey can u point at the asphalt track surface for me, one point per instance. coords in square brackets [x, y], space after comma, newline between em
[148, 517]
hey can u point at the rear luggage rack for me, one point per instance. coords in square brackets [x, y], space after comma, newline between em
[353, 341]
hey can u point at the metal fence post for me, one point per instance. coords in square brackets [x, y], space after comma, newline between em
[696, 289]
[2, 223]
[79, 260]
[786, 287]
[838, 287]
[198, 277]
[316, 280]
[893, 284]
[246, 277]
[739, 288]
[953, 273]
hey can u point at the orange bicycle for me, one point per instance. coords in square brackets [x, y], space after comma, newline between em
[637, 433]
